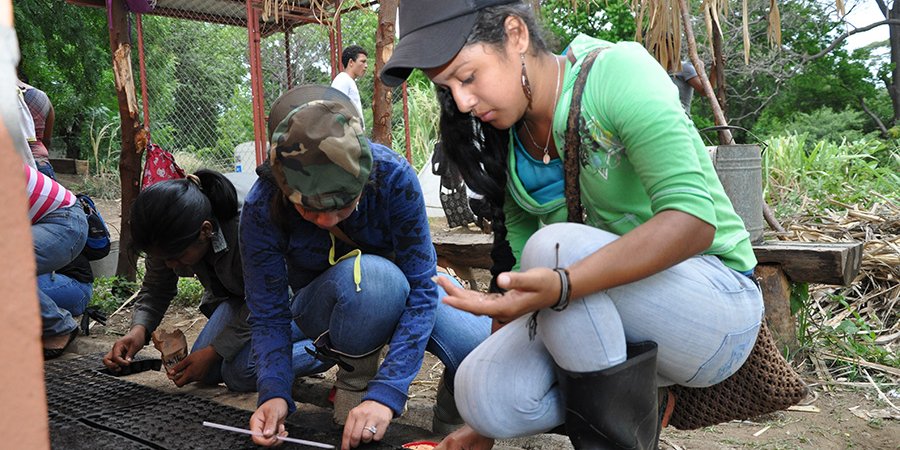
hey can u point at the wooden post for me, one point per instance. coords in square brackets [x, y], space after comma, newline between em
[384, 48]
[132, 132]
[776, 290]
[260, 133]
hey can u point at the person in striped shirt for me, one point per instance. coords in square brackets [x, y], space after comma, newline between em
[59, 231]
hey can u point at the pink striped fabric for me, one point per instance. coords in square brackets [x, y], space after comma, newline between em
[44, 194]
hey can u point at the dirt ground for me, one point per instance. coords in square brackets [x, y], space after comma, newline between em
[840, 416]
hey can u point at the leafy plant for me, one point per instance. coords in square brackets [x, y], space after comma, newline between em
[110, 293]
[190, 292]
[854, 338]
[799, 302]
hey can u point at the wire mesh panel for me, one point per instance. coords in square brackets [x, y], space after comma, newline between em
[198, 83]
[198, 90]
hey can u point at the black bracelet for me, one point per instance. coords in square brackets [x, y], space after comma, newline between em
[565, 290]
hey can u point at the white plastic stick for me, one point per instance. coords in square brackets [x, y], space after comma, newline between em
[255, 433]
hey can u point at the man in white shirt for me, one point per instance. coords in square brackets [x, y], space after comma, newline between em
[355, 61]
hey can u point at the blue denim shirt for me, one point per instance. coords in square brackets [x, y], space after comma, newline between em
[390, 221]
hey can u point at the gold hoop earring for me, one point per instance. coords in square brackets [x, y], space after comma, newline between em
[526, 86]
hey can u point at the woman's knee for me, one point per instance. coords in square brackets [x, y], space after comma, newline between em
[561, 244]
[380, 276]
[239, 374]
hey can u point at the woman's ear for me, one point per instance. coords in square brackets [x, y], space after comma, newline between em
[517, 34]
[206, 229]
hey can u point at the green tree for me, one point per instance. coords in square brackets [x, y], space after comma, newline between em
[65, 53]
[612, 21]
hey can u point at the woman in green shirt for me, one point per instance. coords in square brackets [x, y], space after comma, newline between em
[654, 289]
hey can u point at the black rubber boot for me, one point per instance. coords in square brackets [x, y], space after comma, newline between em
[614, 408]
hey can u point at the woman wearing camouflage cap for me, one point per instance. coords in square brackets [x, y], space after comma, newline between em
[340, 223]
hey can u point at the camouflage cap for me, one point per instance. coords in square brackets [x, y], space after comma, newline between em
[319, 155]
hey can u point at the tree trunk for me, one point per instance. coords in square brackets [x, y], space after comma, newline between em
[130, 156]
[384, 48]
[894, 39]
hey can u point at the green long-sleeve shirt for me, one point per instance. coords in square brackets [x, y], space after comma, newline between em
[640, 153]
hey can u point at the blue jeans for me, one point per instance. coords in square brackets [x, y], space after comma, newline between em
[58, 238]
[321, 308]
[703, 315]
[239, 374]
[46, 169]
[68, 294]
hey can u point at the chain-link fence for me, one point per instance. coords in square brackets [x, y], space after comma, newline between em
[199, 87]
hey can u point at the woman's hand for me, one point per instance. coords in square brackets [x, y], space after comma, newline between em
[528, 291]
[194, 367]
[465, 438]
[268, 420]
[360, 421]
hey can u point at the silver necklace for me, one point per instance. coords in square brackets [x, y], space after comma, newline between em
[546, 147]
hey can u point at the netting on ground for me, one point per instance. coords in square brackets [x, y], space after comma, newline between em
[199, 86]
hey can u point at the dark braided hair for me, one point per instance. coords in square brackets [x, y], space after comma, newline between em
[167, 216]
[479, 150]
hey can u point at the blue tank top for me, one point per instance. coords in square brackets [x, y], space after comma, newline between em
[543, 182]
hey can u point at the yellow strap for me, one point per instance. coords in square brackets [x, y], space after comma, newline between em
[357, 271]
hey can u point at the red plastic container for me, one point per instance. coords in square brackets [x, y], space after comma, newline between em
[420, 445]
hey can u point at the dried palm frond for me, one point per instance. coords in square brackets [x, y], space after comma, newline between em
[713, 10]
[745, 28]
[275, 9]
[661, 35]
[774, 30]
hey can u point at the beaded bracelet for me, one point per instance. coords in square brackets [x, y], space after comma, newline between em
[565, 290]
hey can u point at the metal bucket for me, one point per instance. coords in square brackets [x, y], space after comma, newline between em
[106, 266]
[739, 168]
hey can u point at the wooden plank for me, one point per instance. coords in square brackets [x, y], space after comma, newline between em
[776, 291]
[69, 166]
[464, 249]
[810, 262]
[826, 263]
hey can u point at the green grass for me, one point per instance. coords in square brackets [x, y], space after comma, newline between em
[807, 174]
[423, 124]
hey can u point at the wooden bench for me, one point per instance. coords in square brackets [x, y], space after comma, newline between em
[783, 262]
[780, 263]
[70, 166]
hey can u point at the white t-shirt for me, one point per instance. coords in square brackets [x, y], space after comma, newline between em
[347, 85]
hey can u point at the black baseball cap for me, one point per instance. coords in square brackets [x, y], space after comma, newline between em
[431, 33]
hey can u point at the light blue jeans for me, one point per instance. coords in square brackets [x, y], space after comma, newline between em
[68, 293]
[368, 322]
[239, 374]
[703, 315]
[58, 238]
